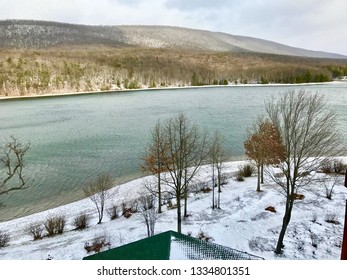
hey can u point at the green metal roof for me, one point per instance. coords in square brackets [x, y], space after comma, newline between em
[171, 245]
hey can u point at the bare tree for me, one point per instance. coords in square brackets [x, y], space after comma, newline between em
[12, 158]
[329, 182]
[264, 146]
[98, 192]
[218, 155]
[153, 161]
[149, 213]
[185, 151]
[309, 133]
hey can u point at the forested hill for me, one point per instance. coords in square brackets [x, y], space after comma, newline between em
[41, 34]
[46, 57]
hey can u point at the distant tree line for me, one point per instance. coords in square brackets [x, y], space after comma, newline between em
[61, 70]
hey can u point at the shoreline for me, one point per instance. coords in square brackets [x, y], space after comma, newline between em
[230, 164]
[117, 182]
[66, 94]
[136, 181]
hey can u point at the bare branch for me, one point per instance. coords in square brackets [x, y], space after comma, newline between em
[309, 133]
[98, 192]
[12, 159]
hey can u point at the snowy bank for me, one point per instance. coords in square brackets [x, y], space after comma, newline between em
[242, 222]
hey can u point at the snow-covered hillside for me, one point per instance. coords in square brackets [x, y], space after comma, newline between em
[42, 34]
[242, 222]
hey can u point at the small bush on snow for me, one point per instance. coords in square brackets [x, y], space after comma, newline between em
[246, 170]
[97, 244]
[332, 218]
[204, 236]
[239, 176]
[35, 230]
[335, 166]
[81, 221]
[55, 225]
[113, 212]
[4, 239]
[300, 245]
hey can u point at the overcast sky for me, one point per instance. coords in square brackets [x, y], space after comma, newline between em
[311, 24]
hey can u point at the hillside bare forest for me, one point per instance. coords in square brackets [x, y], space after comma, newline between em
[45, 58]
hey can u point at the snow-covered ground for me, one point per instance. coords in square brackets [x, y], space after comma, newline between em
[242, 222]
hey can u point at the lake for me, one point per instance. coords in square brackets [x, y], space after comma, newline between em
[75, 138]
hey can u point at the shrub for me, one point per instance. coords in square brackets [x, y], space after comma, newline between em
[134, 205]
[206, 190]
[128, 211]
[326, 167]
[35, 230]
[49, 257]
[297, 196]
[239, 176]
[55, 225]
[204, 236]
[97, 244]
[339, 167]
[329, 183]
[300, 245]
[81, 221]
[147, 202]
[4, 239]
[333, 166]
[224, 179]
[247, 170]
[332, 218]
[49, 225]
[113, 212]
[60, 224]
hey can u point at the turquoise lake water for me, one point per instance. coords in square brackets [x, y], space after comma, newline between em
[75, 138]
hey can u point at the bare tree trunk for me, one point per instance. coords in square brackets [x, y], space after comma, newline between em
[159, 193]
[179, 215]
[217, 155]
[213, 184]
[219, 187]
[97, 191]
[183, 151]
[262, 173]
[12, 158]
[309, 133]
[344, 241]
[258, 181]
[185, 213]
[285, 223]
[148, 231]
